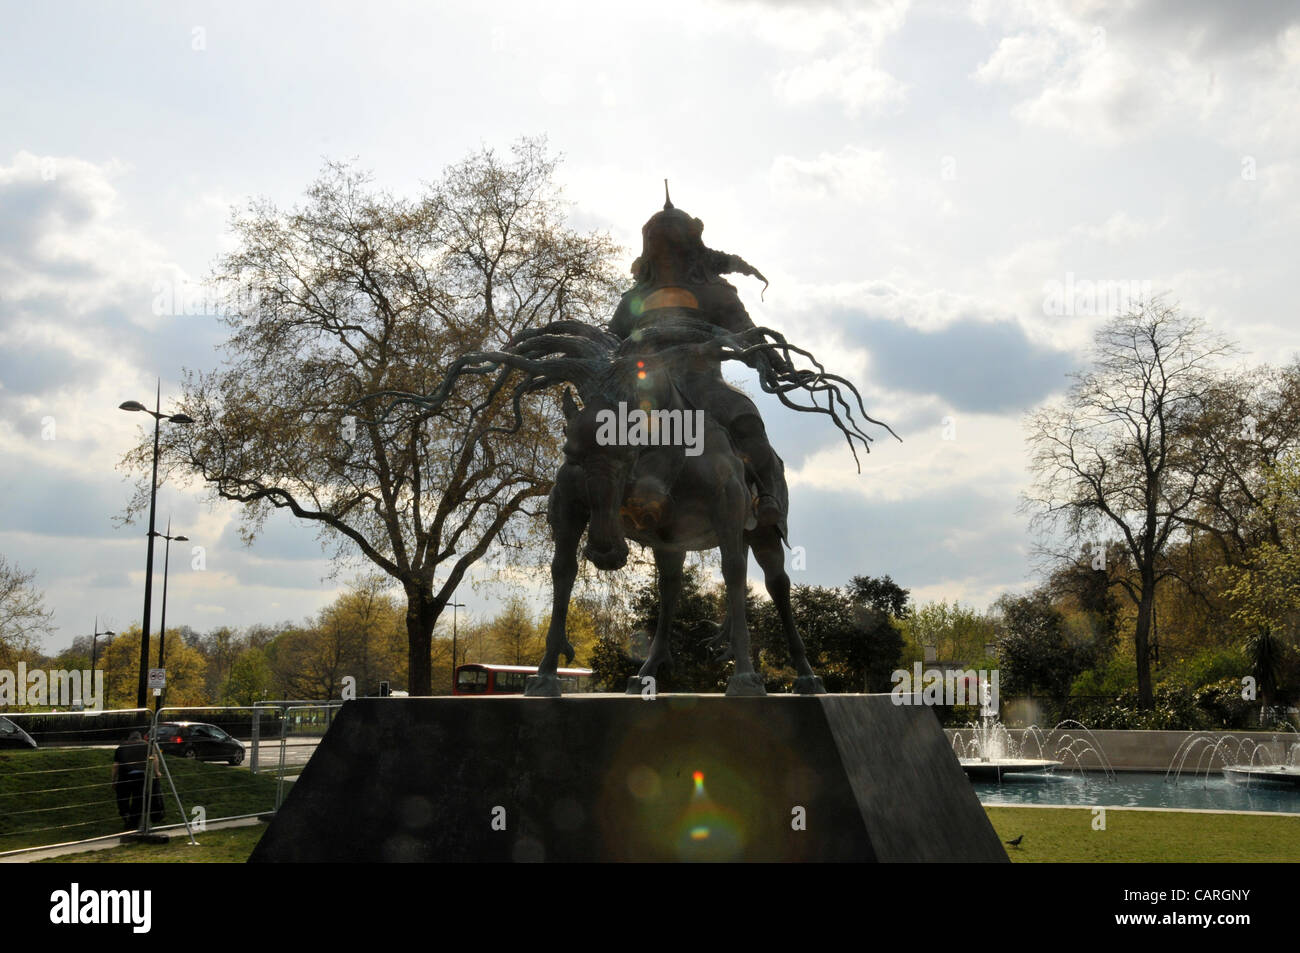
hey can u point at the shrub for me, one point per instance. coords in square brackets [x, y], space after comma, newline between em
[1223, 705]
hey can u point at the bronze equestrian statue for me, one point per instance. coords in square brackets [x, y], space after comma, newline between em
[677, 275]
[662, 356]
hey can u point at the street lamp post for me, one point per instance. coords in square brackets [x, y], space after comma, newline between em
[94, 643]
[162, 623]
[135, 406]
[454, 607]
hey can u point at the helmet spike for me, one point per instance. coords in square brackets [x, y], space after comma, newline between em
[668, 203]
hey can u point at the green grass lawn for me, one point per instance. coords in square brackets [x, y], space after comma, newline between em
[56, 795]
[229, 846]
[1060, 835]
[1057, 835]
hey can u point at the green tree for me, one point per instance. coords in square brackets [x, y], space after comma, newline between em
[956, 633]
[882, 594]
[611, 663]
[222, 648]
[513, 636]
[700, 610]
[851, 635]
[306, 665]
[368, 625]
[120, 660]
[1035, 648]
[250, 679]
[1264, 588]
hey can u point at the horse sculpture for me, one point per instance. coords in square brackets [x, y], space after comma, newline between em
[658, 492]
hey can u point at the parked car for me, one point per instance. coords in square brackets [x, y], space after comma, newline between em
[11, 736]
[191, 739]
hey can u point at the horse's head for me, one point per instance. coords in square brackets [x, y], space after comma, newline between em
[605, 467]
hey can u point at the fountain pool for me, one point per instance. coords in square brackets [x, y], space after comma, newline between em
[988, 752]
[1139, 789]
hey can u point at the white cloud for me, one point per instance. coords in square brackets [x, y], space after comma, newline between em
[852, 173]
[1110, 71]
[1019, 59]
[849, 77]
[841, 51]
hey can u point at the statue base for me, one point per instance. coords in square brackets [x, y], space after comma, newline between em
[623, 778]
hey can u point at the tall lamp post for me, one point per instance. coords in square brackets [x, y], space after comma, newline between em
[94, 643]
[158, 416]
[454, 607]
[162, 623]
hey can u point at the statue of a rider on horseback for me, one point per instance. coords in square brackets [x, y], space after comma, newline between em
[677, 275]
[662, 355]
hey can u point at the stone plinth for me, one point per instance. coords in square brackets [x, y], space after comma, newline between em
[621, 778]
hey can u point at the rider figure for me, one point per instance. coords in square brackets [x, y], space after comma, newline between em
[678, 274]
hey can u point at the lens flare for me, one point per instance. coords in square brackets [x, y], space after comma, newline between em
[706, 830]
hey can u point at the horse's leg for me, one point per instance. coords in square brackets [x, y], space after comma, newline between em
[766, 545]
[729, 522]
[668, 564]
[567, 514]
[720, 642]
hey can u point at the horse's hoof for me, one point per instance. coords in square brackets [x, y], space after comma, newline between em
[542, 686]
[809, 685]
[747, 684]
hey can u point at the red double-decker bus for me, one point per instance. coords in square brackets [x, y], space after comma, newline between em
[478, 678]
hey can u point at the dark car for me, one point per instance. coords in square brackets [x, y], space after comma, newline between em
[11, 736]
[190, 739]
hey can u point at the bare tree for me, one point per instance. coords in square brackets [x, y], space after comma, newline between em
[23, 616]
[359, 293]
[1123, 454]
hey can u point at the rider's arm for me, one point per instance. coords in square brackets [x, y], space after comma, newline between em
[739, 322]
[621, 324]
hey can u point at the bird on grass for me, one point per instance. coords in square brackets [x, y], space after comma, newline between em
[1016, 842]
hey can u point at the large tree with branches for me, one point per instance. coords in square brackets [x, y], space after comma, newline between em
[358, 292]
[1124, 454]
[24, 620]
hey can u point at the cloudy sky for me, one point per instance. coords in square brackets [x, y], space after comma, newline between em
[932, 188]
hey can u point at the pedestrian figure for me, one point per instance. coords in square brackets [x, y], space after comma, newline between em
[130, 764]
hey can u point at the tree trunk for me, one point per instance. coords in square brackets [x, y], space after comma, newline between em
[422, 611]
[1141, 640]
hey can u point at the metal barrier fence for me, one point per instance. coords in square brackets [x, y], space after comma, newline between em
[64, 793]
[70, 797]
